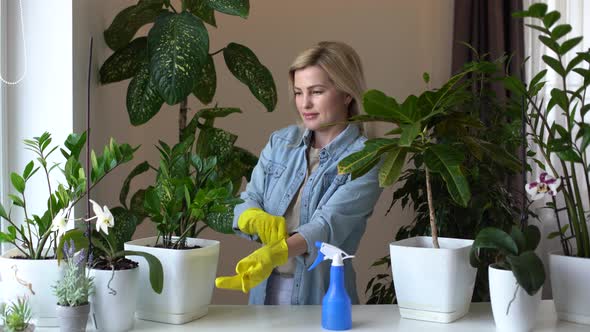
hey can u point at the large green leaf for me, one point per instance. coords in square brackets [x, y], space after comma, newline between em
[519, 238]
[457, 185]
[440, 157]
[244, 65]
[221, 222]
[3, 213]
[178, 47]
[125, 225]
[528, 271]
[128, 21]
[216, 142]
[532, 237]
[217, 112]
[554, 64]
[125, 62]
[139, 169]
[560, 31]
[143, 100]
[392, 167]
[551, 18]
[492, 238]
[569, 44]
[202, 9]
[231, 7]
[206, 81]
[155, 269]
[136, 206]
[241, 164]
[409, 133]
[361, 162]
[377, 103]
[17, 182]
[537, 10]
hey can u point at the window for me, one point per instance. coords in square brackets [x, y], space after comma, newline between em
[3, 170]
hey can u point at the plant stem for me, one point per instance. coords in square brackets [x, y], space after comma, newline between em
[182, 118]
[31, 249]
[433, 228]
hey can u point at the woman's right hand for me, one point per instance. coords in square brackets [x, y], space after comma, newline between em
[269, 228]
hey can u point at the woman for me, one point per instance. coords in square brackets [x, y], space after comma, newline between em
[296, 197]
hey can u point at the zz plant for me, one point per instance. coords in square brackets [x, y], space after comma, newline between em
[567, 140]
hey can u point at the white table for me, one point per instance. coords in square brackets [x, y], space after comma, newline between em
[370, 318]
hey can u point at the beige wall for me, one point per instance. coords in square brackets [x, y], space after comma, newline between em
[397, 41]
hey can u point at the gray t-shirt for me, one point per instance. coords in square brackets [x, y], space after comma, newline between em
[292, 213]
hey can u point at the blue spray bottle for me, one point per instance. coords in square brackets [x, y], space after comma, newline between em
[336, 306]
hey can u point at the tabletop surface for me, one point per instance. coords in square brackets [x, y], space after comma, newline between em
[371, 318]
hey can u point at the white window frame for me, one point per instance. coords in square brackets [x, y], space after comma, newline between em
[3, 130]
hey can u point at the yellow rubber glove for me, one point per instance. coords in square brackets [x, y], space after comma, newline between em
[269, 228]
[256, 267]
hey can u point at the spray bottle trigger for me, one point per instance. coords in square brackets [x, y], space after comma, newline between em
[320, 257]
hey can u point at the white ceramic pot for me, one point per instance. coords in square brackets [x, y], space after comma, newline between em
[569, 285]
[113, 304]
[522, 314]
[189, 279]
[33, 279]
[432, 284]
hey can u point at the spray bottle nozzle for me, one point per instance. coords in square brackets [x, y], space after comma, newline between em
[327, 251]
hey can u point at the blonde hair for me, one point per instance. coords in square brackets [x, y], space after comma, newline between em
[343, 66]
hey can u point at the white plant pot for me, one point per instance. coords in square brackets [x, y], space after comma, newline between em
[33, 279]
[432, 284]
[189, 279]
[113, 305]
[522, 314]
[569, 284]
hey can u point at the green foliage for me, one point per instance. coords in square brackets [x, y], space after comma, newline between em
[481, 151]
[188, 189]
[34, 237]
[514, 252]
[76, 285]
[171, 63]
[16, 315]
[174, 60]
[569, 140]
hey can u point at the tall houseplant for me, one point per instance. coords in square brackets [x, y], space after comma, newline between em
[172, 62]
[420, 120]
[198, 178]
[561, 154]
[491, 203]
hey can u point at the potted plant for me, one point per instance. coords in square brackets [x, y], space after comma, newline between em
[187, 190]
[31, 267]
[491, 203]
[179, 39]
[516, 278]
[561, 153]
[115, 277]
[73, 291]
[16, 316]
[415, 260]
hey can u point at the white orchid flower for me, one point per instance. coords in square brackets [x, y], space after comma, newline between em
[545, 184]
[60, 222]
[104, 217]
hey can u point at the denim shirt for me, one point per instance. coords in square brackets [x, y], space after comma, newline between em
[334, 208]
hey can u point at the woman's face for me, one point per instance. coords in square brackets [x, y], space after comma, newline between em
[317, 99]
